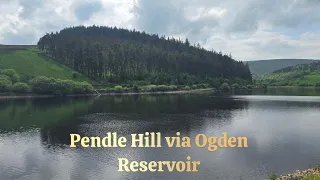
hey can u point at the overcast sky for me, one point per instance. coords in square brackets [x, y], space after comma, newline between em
[248, 29]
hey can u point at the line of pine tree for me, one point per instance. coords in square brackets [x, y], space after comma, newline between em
[103, 52]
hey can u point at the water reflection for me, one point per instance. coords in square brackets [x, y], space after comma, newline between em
[132, 114]
[34, 135]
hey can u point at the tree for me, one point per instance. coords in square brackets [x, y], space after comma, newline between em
[118, 55]
[12, 74]
[21, 88]
[187, 43]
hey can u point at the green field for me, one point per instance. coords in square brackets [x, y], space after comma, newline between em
[298, 75]
[28, 63]
[291, 79]
[313, 78]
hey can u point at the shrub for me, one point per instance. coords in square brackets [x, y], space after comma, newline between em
[108, 89]
[63, 86]
[317, 84]
[78, 88]
[21, 88]
[162, 88]
[244, 87]
[235, 86]
[5, 84]
[173, 88]
[125, 89]
[81, 87]
[88, 87]
[151, 88]
[249, 86]
[225, 87]
[187, 88]
[302, 84]
[203, 85]
[42, 85]
[136, 88]
[5, 77]
[118, 89]
[194, 86]
[273, 176]
[12, 74]
[75, 75]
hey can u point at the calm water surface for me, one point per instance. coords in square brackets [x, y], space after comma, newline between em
[283, 135]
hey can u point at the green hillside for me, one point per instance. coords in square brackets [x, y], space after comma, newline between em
[128, 57]
[28, 64]
[298, 75]
[263, 67]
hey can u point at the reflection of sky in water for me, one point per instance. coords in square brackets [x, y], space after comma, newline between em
[281, 135]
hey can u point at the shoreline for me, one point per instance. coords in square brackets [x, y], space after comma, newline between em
[301, 174]
[293, 87]
[27, 96]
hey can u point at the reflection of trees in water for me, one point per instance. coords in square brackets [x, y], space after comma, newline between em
[295, 91]
[39, 113]
[154, 104]
[271, 104]
[138, 114]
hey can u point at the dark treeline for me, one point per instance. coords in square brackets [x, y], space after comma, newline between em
[117, 55]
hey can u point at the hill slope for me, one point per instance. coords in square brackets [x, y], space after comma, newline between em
[298, 75]
[118, 55]
[29, 63]
[263, 67]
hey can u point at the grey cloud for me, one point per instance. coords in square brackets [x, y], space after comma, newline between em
[246, 20]
[29, 7]
[84, 11]
[300, 14]
[158, 16]
[276, 46]
[284, 13]
[168, 17]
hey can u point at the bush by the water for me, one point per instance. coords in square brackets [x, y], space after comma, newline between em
[5, 83]
[235, 86]
[12, 74]
[225, 87]
[186, 88]
[118, 89]
[162, 88]
[45, 85]
[20, 87]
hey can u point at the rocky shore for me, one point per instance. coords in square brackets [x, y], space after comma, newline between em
[309, 174]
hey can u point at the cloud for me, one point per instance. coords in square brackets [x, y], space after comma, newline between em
[249, 29]
[84, 10]
[177, 18]
[29, 7]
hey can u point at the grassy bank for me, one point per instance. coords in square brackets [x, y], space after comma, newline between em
[28, 64]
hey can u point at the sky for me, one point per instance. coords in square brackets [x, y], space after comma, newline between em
[248, 29]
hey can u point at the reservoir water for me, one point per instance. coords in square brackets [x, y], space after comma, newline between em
[283, 135]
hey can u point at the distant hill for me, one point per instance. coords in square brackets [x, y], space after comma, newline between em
[298, 75]
[262, 67]
[29, 63]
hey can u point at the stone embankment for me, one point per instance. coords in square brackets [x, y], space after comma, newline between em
[301, 174]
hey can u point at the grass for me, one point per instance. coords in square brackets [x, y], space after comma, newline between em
[292, 79]
[28, 63]
[312, 177]
[273, 177]
[313, 78]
